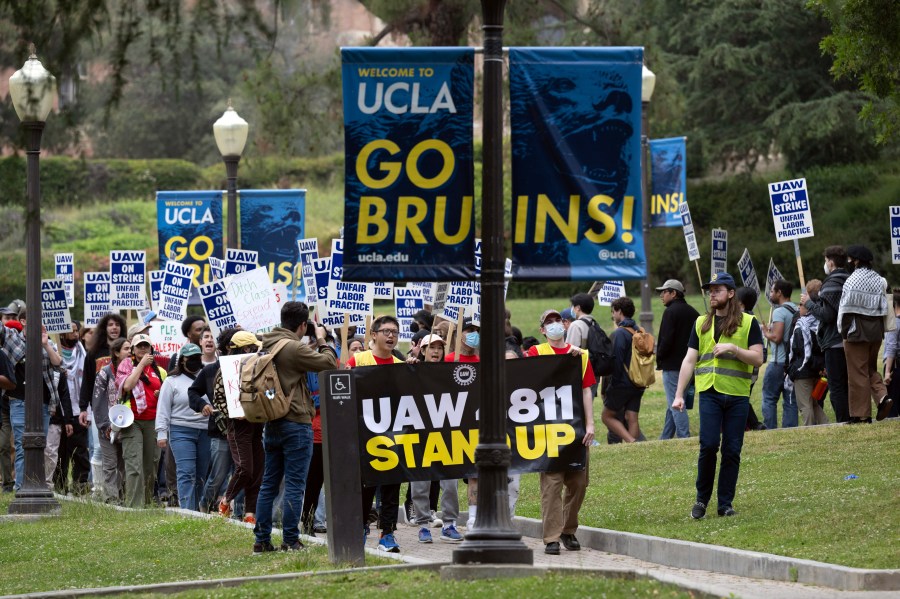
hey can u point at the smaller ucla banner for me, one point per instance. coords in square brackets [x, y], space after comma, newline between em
[409, 182]
[669, 181]
[575, 116]
[189, 226]
[272, 222]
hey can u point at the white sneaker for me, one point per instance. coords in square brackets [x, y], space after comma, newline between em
[435, 521]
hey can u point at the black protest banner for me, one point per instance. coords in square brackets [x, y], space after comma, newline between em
[420, 422]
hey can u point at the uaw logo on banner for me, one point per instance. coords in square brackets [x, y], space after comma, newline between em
[420, 422]
[408, 116]
[575, 116]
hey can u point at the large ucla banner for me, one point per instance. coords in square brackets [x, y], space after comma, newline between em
[409, 211]
[669, 181]
[576, 163]
[272, 221]
[189, 226]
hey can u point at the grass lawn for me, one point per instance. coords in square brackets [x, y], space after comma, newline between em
[93, 546]
[422, 584]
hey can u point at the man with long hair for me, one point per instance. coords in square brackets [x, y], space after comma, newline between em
[725, 345]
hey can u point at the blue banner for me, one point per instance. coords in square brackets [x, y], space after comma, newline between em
[189, 226]
[669, 181]
[409, 211]
[576, 163]
[272, 221]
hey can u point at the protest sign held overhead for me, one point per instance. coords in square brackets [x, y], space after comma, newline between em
[308, 250]
[409, 181]
[719, 252]
[189, 226]
[231, 381]
[127, 270]
[669, 179]
[64, 269]
[610, 292]
[355, 300]
[54, 307]
[419, 422]
[96, 297]
[895, 233]
[407, 301]
[772, 275]
[217, 268]
[175, 292]
[576, 163]
[690, 238]
[156, 283]
[748, 272]
[238, 261]
[166, 337]
[253, 300]
[790, 210]
[272, 222]
[219, 313]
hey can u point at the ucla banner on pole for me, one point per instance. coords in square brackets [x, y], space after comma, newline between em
[189, 225]
[409, 212]
[272, 221]
[418, 422]
[576, 163]
[669, 181]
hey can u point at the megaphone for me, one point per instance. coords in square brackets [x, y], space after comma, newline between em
[120, 416]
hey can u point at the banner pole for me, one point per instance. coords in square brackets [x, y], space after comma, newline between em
[799, 265]
[345, 329]
[459, 326]
[450, 336]
[368, 329]
[700, 278]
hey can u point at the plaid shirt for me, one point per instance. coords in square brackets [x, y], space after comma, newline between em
[14, 348]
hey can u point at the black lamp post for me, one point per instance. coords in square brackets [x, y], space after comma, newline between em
[493, 540]
[648, 82]
[33, 91]
[230, 132]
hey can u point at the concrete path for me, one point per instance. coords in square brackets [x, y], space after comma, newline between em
[722, 585]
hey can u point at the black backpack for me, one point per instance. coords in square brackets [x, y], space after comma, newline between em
[600, 348]
[789, 331]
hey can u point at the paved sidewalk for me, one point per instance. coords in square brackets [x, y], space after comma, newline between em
[723, 585]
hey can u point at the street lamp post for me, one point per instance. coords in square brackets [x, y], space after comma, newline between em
[33, 91]
[493, 539]
[648, 82]
[230, 132]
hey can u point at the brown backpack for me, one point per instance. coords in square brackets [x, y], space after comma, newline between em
[642, 368]
[262, 397]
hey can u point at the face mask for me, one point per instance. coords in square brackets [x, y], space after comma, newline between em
[473, 339]
[555, 331]
[414, 327]
[827, 268]
[193, 364]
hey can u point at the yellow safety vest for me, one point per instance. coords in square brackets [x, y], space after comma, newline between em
[726, 375]
[365, 358]
[545, 349]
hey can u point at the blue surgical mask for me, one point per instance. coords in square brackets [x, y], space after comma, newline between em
[555, 330]
[473, 339]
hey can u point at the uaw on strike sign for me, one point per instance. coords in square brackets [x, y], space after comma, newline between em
[420, 422]
[790, 210]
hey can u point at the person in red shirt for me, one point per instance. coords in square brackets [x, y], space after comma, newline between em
[560, 514]
[470, 340]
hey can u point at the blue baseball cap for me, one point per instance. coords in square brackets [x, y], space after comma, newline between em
[567, 314]
[721, 278]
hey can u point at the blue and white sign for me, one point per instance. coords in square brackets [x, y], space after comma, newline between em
[719, 251]
[176, 291]
[216, 268]
[64, 268]
[790, 210]
[54, 307]
[772, 275]
[309, 251]
[337, 259]
[748, 272]
[384, 291]
[156, 283]
[690, 238]
[407, 301]
[219, 313]
[668, 174]
[272, 222]
[238, 261]
[355, 300]
[128, 279]
[611, 291]
[189, 226]
[895, 234]
[96, 297]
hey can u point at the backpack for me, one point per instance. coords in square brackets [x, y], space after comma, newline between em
[600, 348]
[789, 331]
[262, 397]
[814, 365]
[642, 367]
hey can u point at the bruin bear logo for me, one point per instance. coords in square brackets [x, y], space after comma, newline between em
[464, 375]
[576, 114]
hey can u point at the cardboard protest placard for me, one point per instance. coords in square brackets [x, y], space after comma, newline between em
[166, 337]
[54, 306]
[384, 291]
[238, 261]
[96, 297]
[407, 301]
[176, 291]
[216, 268]
[64, 268]
[687, 225]
[790, 210]
[355, 300]
[156, 283]
[219, 313]
[426, 289]
[253, 300]
[128, 271]
[748, 272]
[895, 234]
[772, 275]
[309, 251]
[337, 259]
[611, 291]
[231, 380]
[719, 254]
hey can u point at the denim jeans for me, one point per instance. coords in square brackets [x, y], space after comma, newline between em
[17, 419]
[726, 414]
[220, 465]
[677, 423]
[288, 446]
[190, 446]
[836, 369]
[773, 387]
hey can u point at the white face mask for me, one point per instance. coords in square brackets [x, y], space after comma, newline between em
[827, 268]
[555, 331]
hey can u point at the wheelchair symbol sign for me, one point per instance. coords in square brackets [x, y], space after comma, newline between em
[340, 384]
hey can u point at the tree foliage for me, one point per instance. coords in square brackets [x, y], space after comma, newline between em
[865, 44]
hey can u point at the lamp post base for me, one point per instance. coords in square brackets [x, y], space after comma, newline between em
[33, 501]
[493, 548]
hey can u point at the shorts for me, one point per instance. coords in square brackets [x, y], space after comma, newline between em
[623, 399]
